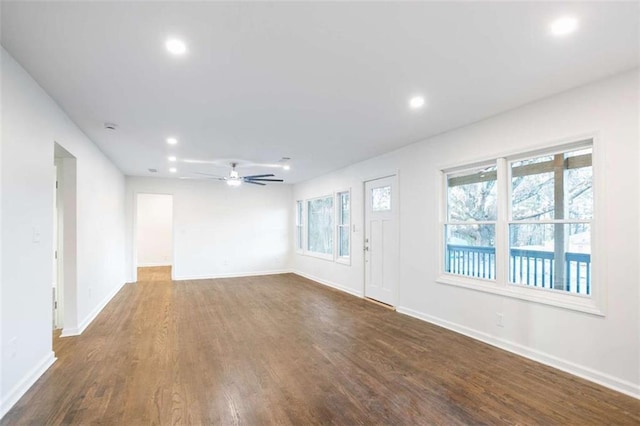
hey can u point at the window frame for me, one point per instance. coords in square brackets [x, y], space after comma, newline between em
[326, 256]
[299, 238]
[511, 221]
[593, 304]
[337, 225]
[446, 222]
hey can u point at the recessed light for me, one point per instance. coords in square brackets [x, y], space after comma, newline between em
[172, 158]
[175, 46]
[563, 26]
[172, 141]
[416, 102]
[286, 167]
[173, 170]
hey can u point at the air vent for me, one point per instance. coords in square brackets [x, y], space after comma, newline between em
[153, 170]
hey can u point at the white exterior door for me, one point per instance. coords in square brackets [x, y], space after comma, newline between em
[381, 237]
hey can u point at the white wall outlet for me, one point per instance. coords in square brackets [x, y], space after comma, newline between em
[500, 319]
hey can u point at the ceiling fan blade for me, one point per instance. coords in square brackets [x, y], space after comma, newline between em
[210, 175]
[257, 176]
[255, 183]
[264, 180]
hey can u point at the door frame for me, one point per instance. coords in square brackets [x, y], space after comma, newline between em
[390, 173]
[67, 193]
[58, 246]
[134, 232]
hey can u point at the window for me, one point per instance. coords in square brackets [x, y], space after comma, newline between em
[470, 227]
[343, 224]
[550, 226]
[521, 226]
[299, 225]
[381, 199]
[320, 225]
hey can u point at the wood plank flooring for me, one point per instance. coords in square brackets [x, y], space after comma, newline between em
[283, 350]
[154, 273]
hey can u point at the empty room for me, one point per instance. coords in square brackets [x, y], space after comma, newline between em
[319, 213]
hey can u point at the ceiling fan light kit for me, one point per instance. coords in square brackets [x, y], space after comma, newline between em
[234, 178]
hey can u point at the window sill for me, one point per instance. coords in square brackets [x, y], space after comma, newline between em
[344, 260]
[328, 257]
[538, 295]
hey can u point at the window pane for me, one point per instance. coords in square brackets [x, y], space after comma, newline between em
[299, 225]
[344, 208]
[299, 213]
[320, 225]
[344, 241]
[535, 248]
[553, 187]
[381, 199]
[299, 237]
[470, 250]
[471, 196]
[580, 193]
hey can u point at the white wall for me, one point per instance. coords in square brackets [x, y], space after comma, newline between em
[604, 349]
[154, 221]
[31, 122]
[219, 230]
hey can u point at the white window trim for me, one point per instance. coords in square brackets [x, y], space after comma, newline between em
[299, 249]
[445, 214]
[345, 260]
[306, 251]
[595, 303]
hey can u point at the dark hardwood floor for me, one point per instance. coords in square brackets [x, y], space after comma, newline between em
[283, 350]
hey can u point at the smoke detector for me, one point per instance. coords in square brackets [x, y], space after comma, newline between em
[110, 126]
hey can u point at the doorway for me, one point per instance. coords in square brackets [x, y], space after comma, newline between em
[381, 240]
[57, 270]
[64, 250]
[154, 236]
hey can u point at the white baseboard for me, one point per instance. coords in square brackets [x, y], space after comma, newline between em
[150, 264]
[330, 284]
[586, 373]
[76, 331]
[230, 275]
[23, 386]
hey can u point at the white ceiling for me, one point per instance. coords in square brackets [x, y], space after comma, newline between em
[326, 84]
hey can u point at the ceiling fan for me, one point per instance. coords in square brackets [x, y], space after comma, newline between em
[234, 178]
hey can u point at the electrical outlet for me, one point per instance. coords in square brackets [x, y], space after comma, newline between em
[499, 319]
